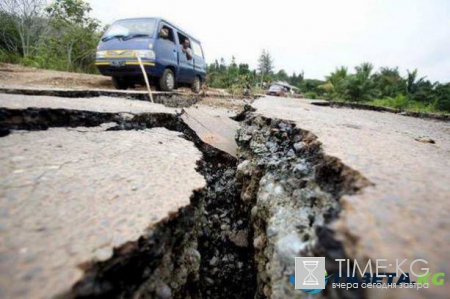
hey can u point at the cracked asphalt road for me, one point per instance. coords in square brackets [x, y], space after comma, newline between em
[406, 214]
[110, 177]
[70, 195]
[212, 124]
[77, 193]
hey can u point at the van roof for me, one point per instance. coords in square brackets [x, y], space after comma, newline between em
[165, 21]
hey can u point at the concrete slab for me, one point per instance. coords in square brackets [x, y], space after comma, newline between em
[70, 195]
[213, 125]
[406, 214]
[97, 104]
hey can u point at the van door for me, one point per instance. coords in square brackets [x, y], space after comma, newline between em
[166, 48]
[199, 60]
[186, 66]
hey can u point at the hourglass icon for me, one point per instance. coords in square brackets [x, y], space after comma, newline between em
[310, 279]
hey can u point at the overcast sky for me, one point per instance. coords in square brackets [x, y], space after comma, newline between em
[311, 35]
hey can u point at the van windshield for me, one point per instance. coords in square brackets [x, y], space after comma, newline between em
[130, 28]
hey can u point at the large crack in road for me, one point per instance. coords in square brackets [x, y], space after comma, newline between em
[294, 190]
[280, 198]
[240, 234]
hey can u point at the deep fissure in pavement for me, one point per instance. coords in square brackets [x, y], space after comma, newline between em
[295, 191]
[240, 234]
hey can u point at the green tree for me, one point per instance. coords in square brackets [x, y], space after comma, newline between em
[389, 82]
[413, 82]
[244, 69]
[76, 34]
[360, 86]
[336, 84]
[24, 24]
[296, 80]
[442, 97]
[265, 64]
[281, 75]
[233, 70]
[312, 85]
[9, 36]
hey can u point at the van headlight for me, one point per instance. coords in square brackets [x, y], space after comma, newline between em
[148, 54]
[101, 54]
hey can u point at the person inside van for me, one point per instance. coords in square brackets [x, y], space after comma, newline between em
[186, 49]
[164, 33]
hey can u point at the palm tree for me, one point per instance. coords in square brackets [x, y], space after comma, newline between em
[412, 84]
[335, 84]
[361, 86]
[389, 82]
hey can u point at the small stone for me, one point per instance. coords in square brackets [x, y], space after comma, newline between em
[267, 291]
[254, 211]
[288, 248]
[164, 292]
[259, 242]
[299, 146]
[271, 231]
[290, 153]
[213, 261]
[300, 168]
[103, 254]
[193, 256]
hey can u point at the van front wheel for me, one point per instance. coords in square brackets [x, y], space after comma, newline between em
[196, 85]
[167, 81]
[120, 83]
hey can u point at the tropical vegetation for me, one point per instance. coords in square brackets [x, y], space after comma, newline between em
[63, 36]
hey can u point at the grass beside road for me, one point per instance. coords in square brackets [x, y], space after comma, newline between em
[401, 102]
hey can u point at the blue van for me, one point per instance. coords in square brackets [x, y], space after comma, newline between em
[170, 56]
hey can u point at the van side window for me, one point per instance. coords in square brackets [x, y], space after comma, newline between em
[185, 45]
[182, 38]
[166, 33]
[197, 49]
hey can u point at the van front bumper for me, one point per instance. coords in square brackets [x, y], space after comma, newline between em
[124, 67]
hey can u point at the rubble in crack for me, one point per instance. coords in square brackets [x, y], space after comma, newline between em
[294, 192]
[227, 268]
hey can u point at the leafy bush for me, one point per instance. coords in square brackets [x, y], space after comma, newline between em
[310, 95]
[398, 102]
[9, 57]
[442, 95]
